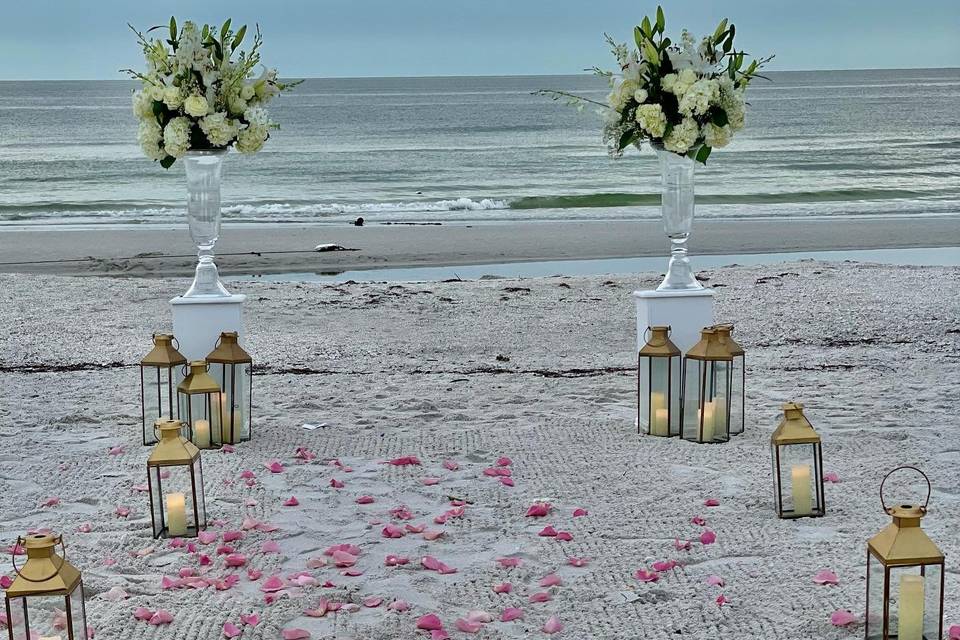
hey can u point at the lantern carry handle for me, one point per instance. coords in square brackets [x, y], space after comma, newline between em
[905, 468]
[16, 569]
[647, 332]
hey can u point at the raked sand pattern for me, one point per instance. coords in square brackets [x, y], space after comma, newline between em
[412, 370]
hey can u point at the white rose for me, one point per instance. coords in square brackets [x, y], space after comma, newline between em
[156, 92]
[668, 81]
[196, 106]
[640, 95]
[172, 97]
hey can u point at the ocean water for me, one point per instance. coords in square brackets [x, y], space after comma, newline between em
[817, 144]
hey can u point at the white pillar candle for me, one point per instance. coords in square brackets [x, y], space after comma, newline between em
[707, 420]
[800, 485]
[661, 423]
[657, 403]
[176, 514]
[226, 422]
[201, 433]
[720, 414]
[910, 625]
[49, 638]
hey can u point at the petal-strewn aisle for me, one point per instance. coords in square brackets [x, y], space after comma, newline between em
[458, 376]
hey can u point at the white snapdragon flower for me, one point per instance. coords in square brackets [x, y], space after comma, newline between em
[257, 116]
[219, 129]
[191, 54]
[142, 105]
[698, 98]
[150, 138]
[682, 137]
[196, 106]
[651, 119]
[172, 98]
[732, 102]
[176, 136]
[715, 136]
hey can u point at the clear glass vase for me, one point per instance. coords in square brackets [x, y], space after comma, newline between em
[677, 200]
[204, 169]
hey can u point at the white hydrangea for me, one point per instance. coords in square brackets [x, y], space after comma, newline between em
[142, 105]
[196, 106]
[176, 136]
[697, 99]
[651, 119]
[715, 136]
[678, 83]
[219, 129]
[150, 138]
[682, 137]
[172, 98]
[251, 139]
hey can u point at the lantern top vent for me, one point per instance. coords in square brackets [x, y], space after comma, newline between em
[659, 343]
[229, 351]
[44, 573]
[164, 353]
[710, 347]
[198, 380]
[723, 333]
[794, 428]
[173, 449]
[903, 542]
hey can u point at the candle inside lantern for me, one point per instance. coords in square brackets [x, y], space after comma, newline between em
[49, 638]
[707, 419]
[911, 608]
[201, 433]
[661, 423]
[800, 485]
[720, 413]
[658, 405]
[176, 514]
[225, 411]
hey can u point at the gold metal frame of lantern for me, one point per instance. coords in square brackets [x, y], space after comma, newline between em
[169, 511]
[161, 371]
[658, 385]
[737, 410]
[232, 368]
[797, 444]
[198, 401]
[706, 390]
[903, 548]
[43, 577]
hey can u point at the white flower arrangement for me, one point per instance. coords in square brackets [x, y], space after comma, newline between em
[687, 98]
[197, 95]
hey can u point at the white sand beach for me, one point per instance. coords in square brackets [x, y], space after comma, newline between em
[538, 370]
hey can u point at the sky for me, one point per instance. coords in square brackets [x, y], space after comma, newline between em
[89, 39]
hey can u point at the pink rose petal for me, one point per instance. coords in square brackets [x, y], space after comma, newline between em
[548, 532]
[508, 563]
[161, 617]
[721, 600]
[511, 613]
[428, 482]
[116, 451]
[842, 618]
[579, 512]
[715, 581]
[826, 576]
[507, 482]
[235, 560]
[395, 561]
[954, 632]
[564, 536]
[504, 461]
[708, 537]
[303, 453]
[403, 461]
[270, 546]
[250, 619]
[467, 626]
[697, 520]
[337, 484]
[431, 563]
[122, 511]
[393, 531]
[246, 474]
[272, 584]
[431, 534]
[399, 606]
[206, 537]
[372, 602]
[831, 477]
[503, 587]
[711, 502]
[364, 500]
[577, 562]
[254, 574]
[479, 616]
[439, 634]
[343, 558]
[295, 634]
[540, 596]
[429, 622]
[646, 576]
[274, 466]
[85, 527]
[450, 465]
[51, 502]
[291, 502]
[415, 528]
[142, 613]
[550, 580]
[682, 545]
[231, 630]
[538, 510]
[665, 565]
[552, 625]
[231, 536]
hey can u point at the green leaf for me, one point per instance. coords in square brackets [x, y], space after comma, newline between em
[173, 28]
[703, 154]
[167, 162]
[629, 137]
[224, 29]
[720, 29]
[237, 39]
[205, 33]
[661, 21]
[728, 45]
[157, 107]
[719, 117]
[638, 37]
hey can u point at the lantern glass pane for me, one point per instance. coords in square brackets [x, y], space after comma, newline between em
[172, 495]
[691, 398]
[876, 574]
[156, 499]
[914, 602]
[737, 399]
[196, 407]
[43, 616]
[799, 480]
[201, 498]
[159, 397]
[643, 394]
[78, 614]
[717, 401]
[15, 615]
[234, 403]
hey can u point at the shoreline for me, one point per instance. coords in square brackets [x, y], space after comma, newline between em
[245, 250]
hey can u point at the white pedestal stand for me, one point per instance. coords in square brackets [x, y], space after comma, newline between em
[686, 312]
[198, 322]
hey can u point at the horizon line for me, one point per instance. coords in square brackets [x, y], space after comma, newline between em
[512, 75]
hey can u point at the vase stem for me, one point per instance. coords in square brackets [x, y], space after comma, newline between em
[677, 208]
[203, 169]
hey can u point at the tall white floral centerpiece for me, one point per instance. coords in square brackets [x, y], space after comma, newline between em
[682, 98]
[200, 96]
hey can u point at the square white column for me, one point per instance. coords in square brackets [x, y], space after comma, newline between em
[686, 312]
[198, 322]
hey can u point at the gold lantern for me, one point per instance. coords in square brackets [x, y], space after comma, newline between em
[738, 380]
[45, 600]
[706, 383]
[232, 368]
[905, 576]
[175, 480]
[161, 371]
[658, 385]
[797, 466]
[198, 402]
